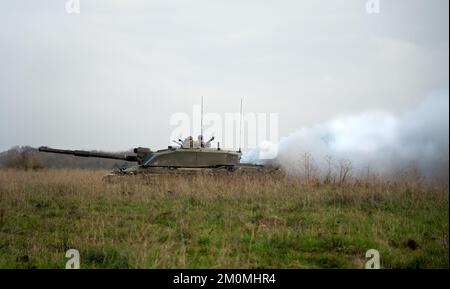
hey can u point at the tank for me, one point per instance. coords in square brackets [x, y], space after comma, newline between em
[189, 156]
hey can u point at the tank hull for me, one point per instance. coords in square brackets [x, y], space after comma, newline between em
[241, 169]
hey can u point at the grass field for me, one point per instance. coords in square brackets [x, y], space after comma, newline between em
[217, 222]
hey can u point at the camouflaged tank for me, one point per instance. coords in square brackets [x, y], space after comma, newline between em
[188, 157]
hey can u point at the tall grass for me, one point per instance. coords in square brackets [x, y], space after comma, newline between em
[219, 222]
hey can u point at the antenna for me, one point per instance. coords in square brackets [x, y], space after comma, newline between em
[240, 130]
[201, 125]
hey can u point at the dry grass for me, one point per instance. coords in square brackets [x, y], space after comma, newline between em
[218, 222]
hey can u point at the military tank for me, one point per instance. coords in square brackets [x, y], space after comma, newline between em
[188, 157]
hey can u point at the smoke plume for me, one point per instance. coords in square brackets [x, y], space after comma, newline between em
[377, 142]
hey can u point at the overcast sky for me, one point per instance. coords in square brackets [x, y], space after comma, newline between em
[111, 76]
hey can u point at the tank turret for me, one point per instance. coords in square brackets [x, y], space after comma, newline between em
[189, 154]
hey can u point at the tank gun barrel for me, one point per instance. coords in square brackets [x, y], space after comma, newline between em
[80, 153]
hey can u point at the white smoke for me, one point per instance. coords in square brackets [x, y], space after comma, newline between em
[381, 142]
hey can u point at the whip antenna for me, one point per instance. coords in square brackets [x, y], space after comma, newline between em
[240, 130]
[201, 124]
